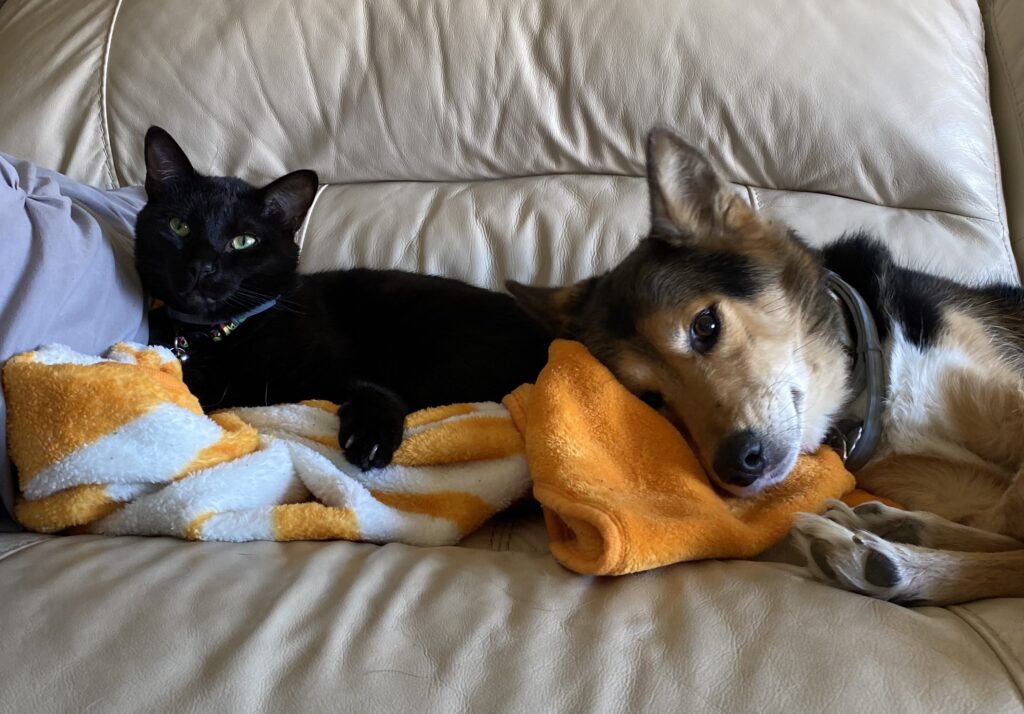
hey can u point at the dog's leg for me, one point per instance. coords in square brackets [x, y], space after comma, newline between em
[1007, 515]
[918, 528]
[911, 575]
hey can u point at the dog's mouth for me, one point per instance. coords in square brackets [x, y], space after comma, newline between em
[798, 403]
[777, 456]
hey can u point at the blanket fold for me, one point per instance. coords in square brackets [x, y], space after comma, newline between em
[621, 489]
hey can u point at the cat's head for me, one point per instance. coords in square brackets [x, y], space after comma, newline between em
[211, 246]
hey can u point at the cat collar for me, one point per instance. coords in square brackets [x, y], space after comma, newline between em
[213, 332]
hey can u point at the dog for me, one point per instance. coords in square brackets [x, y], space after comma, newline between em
[759, 348]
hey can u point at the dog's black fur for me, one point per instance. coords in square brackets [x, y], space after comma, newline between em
[916, 301]
[379, 343]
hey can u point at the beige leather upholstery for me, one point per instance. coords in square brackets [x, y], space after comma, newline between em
[1004, 26]
[133, 624]
[834, 116]
[486, 141]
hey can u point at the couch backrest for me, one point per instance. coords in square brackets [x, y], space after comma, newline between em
[1004, 40]
[504, 139]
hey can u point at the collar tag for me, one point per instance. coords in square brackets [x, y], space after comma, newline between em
[842, 442]
[180, 348]
[214, 333]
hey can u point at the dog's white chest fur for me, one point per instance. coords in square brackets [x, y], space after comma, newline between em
[919, 405]
[956, 401]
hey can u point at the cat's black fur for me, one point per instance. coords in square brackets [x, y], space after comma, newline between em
[380, 343]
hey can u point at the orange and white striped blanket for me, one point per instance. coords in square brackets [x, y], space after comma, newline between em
[140, 458]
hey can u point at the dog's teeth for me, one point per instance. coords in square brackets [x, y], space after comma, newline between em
[373, 452]
[351, 440]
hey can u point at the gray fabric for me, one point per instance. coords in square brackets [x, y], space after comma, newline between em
[67, 275]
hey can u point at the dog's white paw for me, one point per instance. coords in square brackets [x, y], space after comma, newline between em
[853, 559]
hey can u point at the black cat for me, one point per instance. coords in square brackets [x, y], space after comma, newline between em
[220, 254]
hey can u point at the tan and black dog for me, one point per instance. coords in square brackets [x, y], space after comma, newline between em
[731, 326]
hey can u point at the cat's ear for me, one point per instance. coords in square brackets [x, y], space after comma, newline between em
[555, 308]
[166, 163]
[289, 197]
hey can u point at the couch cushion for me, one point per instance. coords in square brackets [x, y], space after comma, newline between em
[163, 625]
[552, 229]
[874, 103]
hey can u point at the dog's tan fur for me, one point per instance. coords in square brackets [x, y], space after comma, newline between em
[952, 448]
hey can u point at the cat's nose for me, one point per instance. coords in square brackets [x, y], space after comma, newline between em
[199, 269]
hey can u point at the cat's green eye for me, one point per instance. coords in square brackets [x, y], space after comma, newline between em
[179, 227]
[243, 242]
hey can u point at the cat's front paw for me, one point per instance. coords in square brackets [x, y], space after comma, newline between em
[371, 430]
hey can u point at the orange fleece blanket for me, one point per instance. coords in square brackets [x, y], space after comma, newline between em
[623, 492]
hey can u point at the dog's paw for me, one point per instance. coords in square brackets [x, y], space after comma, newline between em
[370, 432]
[854, 560]
[892, 524]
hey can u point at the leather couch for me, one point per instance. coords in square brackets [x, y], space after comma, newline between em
[494, 140]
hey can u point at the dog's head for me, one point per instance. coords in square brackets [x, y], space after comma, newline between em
[719, 318]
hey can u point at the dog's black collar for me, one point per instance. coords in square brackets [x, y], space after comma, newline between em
[854, 440]
[214, 332]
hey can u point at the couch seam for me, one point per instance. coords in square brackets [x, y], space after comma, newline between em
[4, 554]
[755, 199]
[309, 216]
[108, 152]
[912, 209]
[598, 174]
[995, 643]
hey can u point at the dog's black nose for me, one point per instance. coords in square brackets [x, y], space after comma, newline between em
[742, 458]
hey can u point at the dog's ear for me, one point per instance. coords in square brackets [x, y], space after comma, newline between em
[166, 163]
[689, 199]
[552, 307]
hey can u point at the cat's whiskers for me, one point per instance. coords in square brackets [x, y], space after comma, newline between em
[284, 304]
[248, 299]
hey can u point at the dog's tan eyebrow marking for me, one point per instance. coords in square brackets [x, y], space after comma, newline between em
[634, 371]
[678, 339]
[668, 331]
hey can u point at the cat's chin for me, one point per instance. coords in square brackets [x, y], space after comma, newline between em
[201, 307]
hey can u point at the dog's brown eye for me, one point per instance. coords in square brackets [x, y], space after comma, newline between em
[652, 399]
[704, 330]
